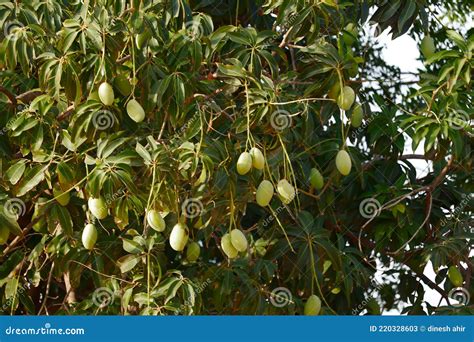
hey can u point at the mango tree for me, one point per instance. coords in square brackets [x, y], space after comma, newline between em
[234, 157]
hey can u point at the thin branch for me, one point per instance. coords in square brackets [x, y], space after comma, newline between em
[430, 205]
[8, 94]
[301, 100]
[70, 292]
[46, 294]
[100, 273]
[19, 238]
[66, 113]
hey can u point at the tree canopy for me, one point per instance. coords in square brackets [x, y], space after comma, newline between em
[234, 157]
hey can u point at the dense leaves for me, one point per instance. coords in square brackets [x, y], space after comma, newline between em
[190, 157]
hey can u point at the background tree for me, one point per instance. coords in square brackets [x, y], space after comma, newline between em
[126, 128]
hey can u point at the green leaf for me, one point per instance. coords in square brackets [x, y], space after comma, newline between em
[406, 14]
[26, 300]
[441, 55]
[9, 222]
[127, 262]
[71, 35]
[31, 179]
[131, 246]
[62, 216]
[143, 153]
[11, 288]
[231, 70]
[457, 39]
[65, 174]
[10, 264]
[172, 290]
[15, 171]
[127, 295]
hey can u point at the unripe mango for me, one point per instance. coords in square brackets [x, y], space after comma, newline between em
[238, 240]
[357, 116]
[106, 93]
[98, 207]
[155, 220]
[286, 191]
[227, 247]
[346, 98]
[193, 251]
[179, 237]
[312, 306]
[89, 236]
[135, 111]
[427, 47]
[258, 160]
[244, 163]
[455, 276]
[264, 193]
[343, 162]
[316, 179]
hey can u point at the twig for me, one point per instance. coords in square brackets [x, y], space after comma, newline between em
[430, 205]
[46, 294]
[70, 293]
[16, 240]
[301, 100]
[66, 113]
[100, 273]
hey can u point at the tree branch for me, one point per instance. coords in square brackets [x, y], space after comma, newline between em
[19, 238]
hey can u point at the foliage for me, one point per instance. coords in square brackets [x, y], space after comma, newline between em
[216, 78]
